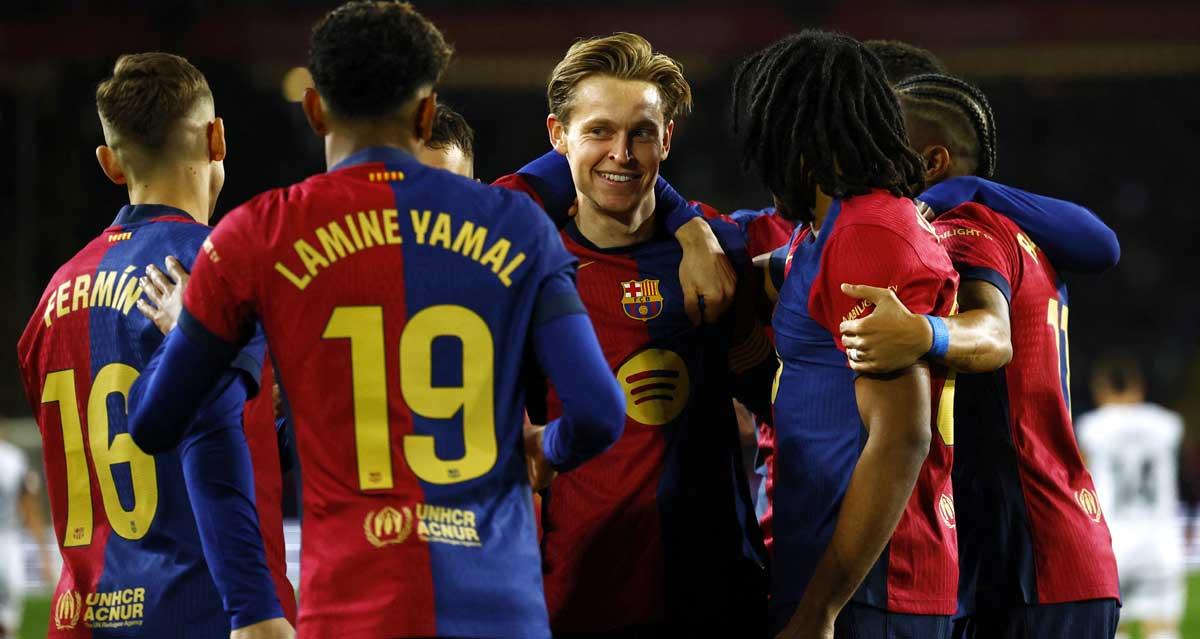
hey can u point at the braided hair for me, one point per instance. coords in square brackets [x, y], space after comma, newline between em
[958, 109]
[816, 110]
[902, 60]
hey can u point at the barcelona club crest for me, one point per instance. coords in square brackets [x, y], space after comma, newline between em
[641, 299]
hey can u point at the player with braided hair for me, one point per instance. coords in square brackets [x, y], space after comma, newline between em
[1036, 557]
[902, 60]
[863, 527]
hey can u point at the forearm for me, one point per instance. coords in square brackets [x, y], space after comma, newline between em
[593, 414]
[176, 382]
[879, 489]
[896, 413]
[219, 478]
[978, 342]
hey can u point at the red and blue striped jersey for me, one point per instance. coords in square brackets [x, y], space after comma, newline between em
[879, 240]
[659, 529]
[398, 301]
[132, 560]
[1030, 526]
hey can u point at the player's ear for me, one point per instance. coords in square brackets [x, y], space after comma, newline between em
[216, 140]
[668, 132]
[558, 133]
[314, 112]
[935, 162]
[109, 164]
[426, 112]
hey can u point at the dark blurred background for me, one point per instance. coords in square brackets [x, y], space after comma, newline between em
[1097, 102]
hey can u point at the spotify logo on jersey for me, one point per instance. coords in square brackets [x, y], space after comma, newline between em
[656, 386]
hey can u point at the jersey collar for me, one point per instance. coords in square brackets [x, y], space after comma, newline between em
[376, 155]
[136, 213]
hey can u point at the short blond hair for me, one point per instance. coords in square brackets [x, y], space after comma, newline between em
[625, 56]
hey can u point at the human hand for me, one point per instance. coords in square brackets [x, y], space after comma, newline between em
[887, 340]
[538, 467]
[165, 292]
[705, 274]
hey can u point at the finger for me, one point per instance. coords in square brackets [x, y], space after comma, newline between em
[176, 270]
[158, 278]
[152, 291]
[149, 311]
[852, 342]
[864, 292]
[691, 305]
[850, 327]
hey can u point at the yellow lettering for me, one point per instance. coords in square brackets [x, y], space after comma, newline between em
[102, 289]
[138, 612]
[472, 534]
[470, 240]
[391, 226]
[469, 518]
[369, 222]
[50, 308]
[121, 284]
[420, 222]
[496, 255]
[92, 598]
[61, 296]
[441, 231]
[129, 296]
[311, 258]
[506, 274]
[334, 242]
[358, 243]
[298, 282]
[139, 595]
[90, 614]
[82, 283]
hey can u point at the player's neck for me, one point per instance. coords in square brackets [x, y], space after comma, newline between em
[606, 229]
[187, 195]
[821, 210]
[351, 139]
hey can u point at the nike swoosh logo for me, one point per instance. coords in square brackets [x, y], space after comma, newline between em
[581, 266]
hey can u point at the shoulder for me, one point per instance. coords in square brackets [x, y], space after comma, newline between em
[975, 215]
[880, 221]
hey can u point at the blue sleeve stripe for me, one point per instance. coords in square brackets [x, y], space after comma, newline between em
[204, 337]
[566, 303]
[988, 275]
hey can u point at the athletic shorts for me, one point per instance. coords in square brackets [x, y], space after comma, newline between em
[1094, 619]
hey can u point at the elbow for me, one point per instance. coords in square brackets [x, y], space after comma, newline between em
[142, 431]
[1112, 252]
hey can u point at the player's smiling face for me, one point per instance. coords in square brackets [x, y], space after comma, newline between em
[615, 140]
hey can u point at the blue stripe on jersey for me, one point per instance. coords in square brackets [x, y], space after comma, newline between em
[180, 597]
[465, 577]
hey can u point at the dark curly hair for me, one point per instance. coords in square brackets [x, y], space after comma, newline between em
[815, 109]
[902, 60]
[450, 128]
[368, 57]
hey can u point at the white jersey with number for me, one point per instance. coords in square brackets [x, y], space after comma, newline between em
[1132, 452]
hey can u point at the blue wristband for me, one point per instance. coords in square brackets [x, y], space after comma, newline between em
[941, 338]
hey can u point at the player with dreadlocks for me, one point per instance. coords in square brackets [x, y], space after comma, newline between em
[1027, 503]
[863, 520]
[902, 60]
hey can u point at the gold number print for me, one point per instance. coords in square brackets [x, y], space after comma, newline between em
[945, 409]
[364, 327]
[1057, 316]
[130, 524]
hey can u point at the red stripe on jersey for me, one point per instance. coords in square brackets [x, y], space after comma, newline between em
[258, 422]
[65, 345]
[597, 575]
[1072, 548]
[348, 573]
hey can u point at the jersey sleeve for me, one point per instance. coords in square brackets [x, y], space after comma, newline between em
[980, 248]
[875, 256]
[555, 273]
[219, 301]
